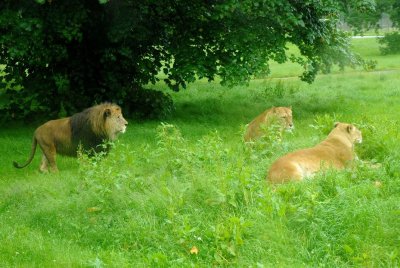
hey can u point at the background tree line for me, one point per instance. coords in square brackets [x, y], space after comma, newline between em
[59, 57]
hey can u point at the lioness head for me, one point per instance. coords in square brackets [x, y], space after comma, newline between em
[353, 133]
[115, 123]
[284, 115]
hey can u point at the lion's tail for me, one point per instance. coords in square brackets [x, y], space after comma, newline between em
[33, 150]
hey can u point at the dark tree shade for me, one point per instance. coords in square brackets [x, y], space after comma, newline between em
[67, 55]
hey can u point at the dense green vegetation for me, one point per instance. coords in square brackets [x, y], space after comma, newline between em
[68, 55]
[362, 22]
[191, 182]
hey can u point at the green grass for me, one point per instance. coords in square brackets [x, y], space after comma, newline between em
[190, 181]
[368, 48]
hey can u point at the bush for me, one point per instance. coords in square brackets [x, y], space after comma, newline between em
[149, 103]
[325, 123]
[379, 140]
[279, 90]
[390, 43]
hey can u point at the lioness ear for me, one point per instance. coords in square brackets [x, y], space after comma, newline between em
[349, 128]
[107, 113]
[336, 124]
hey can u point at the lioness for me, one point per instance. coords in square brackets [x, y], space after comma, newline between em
[87, 129]
[280, 115]
[336, 151]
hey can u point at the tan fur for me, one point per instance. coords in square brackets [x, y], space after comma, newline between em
[87, 129]
[336, 151]
[280, 115]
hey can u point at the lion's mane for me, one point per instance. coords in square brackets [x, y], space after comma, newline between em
[88, 127]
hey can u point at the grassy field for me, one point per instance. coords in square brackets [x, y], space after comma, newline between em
[187, 192]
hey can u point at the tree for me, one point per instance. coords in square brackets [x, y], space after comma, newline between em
[361, 21]
[67, 55]
[370, 20]
[391, 41]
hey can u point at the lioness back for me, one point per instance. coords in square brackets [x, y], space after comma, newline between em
[279, 115]
[336, 151]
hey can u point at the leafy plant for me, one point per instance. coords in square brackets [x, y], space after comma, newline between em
[149, 103]
[390, 43]
[325, 123]
[378, 139]
[229, 238]
[279, 90]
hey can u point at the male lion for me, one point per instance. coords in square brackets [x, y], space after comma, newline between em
[280, 115]
[88, 129]
[336, 151]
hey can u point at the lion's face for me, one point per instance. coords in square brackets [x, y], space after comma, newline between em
[352, 132]
[284, 115]
[115, 122]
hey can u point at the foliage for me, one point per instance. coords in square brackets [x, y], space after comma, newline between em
[67, 55]
[367, 20]
[329, 212]
[149, 103]
[279, 90]
[324, 123]
[107, 189]
[361, 21]
[391, 43]
[380, 140]
[150, 206]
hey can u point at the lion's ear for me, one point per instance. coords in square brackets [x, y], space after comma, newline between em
[107, 113]
[336, 124]
[349, 128]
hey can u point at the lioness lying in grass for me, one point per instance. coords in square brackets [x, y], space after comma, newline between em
[278, 115]
[336, 151]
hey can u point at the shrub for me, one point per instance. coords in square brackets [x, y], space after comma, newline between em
[149, 103]
[325, 123]
[279, 90]
[377, 140]
[390, 43]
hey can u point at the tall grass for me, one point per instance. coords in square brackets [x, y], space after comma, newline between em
[191, 183]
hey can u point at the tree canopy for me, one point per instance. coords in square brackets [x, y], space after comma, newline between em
[370, 20]
[67, 55]
[361, 21]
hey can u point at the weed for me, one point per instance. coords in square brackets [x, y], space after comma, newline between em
[379, 139]
[325, 123]
[279, 90]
